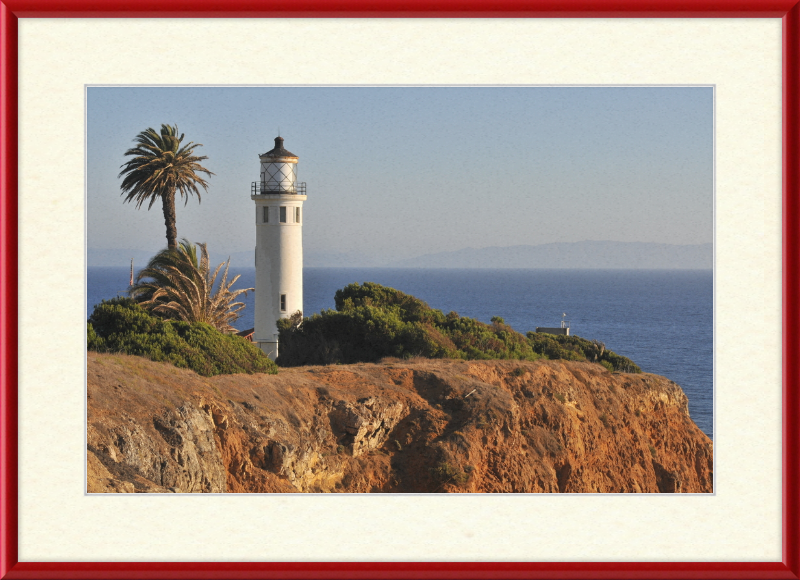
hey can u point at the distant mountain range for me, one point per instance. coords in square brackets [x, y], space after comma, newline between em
[566, 255]
[340, 260]
[572, 255]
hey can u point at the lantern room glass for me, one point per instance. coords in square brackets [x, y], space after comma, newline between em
[278, 177]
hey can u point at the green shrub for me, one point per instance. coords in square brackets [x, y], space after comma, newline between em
[447, 473]
[373, 321]
[121, 325]
[93, 341]
[561, 398]
[621, 363]
[559, 346]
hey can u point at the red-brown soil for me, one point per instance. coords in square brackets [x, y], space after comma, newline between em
[395, 426]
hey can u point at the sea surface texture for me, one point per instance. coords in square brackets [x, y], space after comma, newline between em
[661, 319]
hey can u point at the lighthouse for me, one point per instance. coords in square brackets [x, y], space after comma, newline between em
[279, 244]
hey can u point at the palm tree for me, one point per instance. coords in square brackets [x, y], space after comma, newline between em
[159, 168]
[178, 285]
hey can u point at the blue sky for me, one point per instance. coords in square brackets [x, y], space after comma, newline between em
[396, 172]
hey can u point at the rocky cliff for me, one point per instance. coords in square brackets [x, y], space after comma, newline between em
[395, 426]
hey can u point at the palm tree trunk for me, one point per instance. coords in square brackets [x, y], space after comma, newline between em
[168, 205]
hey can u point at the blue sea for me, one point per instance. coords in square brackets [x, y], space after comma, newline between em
[661, 319]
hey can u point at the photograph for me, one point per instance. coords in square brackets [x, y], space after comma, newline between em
[400, 289]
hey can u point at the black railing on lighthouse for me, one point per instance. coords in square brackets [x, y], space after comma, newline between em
[266, 187]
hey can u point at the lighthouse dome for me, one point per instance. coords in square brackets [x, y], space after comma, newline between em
[278, 150]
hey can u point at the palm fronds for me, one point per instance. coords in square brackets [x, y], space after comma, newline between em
[160, 167]
[179, 284]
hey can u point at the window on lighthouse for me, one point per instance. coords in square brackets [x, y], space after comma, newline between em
[283, 214]
[283, 302]
[297, 215]
[266, 214]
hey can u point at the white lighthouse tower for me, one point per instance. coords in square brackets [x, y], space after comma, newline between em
[279, 244]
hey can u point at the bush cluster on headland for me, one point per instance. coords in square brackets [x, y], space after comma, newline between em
[370, 322]
[121, 325]
[373, 321]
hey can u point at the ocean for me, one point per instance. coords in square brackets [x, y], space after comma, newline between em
[661, 319]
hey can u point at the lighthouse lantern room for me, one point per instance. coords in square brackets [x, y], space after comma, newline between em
[279, 244]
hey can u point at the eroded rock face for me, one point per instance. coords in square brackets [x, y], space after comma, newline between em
[365, 424]
[176, 450]
[423, 426]
[100, 480]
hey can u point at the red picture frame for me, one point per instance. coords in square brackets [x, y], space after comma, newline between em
[788, 10]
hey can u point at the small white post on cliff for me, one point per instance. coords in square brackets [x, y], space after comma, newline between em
[279, 244]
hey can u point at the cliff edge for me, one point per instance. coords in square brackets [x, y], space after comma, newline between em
[396, 426]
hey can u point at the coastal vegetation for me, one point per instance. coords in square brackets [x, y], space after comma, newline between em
[373, 321]
[559, 346]
[121, 325]
[179, 312]
[159, 168]
[173, 317]
[178, 284]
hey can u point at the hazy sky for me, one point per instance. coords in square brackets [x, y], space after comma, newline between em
[395, 172]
